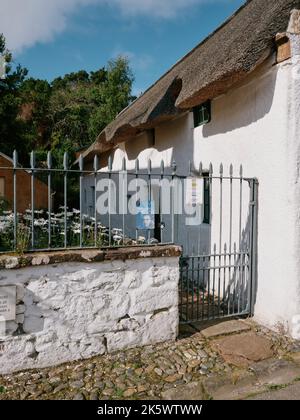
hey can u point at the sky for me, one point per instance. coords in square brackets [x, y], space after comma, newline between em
[55, 37]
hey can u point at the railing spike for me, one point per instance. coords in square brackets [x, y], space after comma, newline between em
[137, 166]
[49, 160]
[96, 163]
[81, 164]
[110, 163]
[174, 167]
[124, 164]
[241, 171]
[221, 170]
[15, 158]
[211, 169]
[215, 248]
[162, 167]
[201, 169]
[32, 160]
[66, 161]
[149, 166]
[231, 170]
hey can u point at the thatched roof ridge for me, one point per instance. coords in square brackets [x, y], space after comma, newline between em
[224, 58]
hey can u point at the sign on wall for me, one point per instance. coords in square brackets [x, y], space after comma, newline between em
[194, 200]
[194, 191]
[8, 303]
[145, 219]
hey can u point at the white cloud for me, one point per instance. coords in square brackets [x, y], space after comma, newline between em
[141, 62]
[158, 8]
[26, 22]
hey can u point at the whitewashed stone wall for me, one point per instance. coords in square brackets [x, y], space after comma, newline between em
[78, 310]
[255, 124]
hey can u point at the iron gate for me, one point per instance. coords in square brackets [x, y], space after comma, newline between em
[219, 279]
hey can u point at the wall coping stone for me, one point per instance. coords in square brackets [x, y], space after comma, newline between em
[14, 261]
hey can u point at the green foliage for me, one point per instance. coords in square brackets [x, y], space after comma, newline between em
[23, 238]
[82, 104]
[63, 116]
[11, 128]
[4, 205]
[111, 96]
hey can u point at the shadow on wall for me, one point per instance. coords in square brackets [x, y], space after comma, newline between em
[238, 290]
[173, 142]
[240, 108]
[248, 104]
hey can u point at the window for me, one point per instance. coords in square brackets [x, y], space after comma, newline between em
[206, 218]
[202, 114]
[2, 186]
[151, 137]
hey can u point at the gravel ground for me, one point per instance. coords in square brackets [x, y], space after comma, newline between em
[139, 374]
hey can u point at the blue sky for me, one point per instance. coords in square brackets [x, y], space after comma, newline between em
[61, 36]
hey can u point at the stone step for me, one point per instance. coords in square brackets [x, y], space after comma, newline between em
[225, 328]
[261, 377]
[189, 392]
[289, 393]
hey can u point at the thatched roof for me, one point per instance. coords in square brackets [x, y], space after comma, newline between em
[224, 58]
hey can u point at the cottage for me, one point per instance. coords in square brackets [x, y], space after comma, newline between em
[234, 100]
[23, 183]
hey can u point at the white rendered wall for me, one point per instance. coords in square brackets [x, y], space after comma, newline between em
[250, 127]
[74, 311]
[256, 125]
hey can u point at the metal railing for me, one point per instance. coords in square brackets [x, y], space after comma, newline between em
[48, 207]
[49, 222]
[218, 279]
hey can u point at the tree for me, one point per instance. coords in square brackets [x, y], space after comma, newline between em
[112, 96]
[11, 127]
[82, 104]
[65, 115]
[34, 111]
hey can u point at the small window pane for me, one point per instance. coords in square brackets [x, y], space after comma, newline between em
[206, 218]
[202, 114]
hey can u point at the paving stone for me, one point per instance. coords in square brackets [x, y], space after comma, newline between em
[142, 388]
[186, 364]
[78, 397]
[77, 384]
[59, 388]
[225, 328]
[94, 396]
[108, 392]
[276, 372]
[189, 392]
[295, 347]
[290, 393]
[129, 392]
[296, 357]
[244, 349]
[228, 388]
[173, 378]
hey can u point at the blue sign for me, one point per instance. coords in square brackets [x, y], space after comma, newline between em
[145, 219]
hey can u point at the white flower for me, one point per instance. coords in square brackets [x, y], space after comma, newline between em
[117, 231]
[117, 238]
